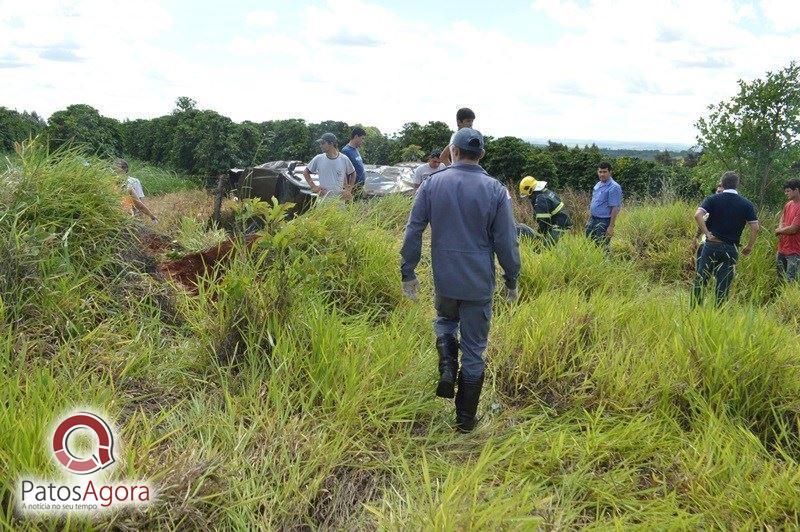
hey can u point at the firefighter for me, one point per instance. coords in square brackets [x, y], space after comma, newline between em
[551, 216]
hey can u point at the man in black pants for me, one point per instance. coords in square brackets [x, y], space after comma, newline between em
[728, 214]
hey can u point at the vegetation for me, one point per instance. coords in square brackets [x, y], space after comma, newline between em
[757, 132]
[295, 389]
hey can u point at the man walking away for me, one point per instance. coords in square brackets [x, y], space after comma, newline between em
[699, 237]
[335, 172]
[351, 151]
[728, 213]
[133, 201]
[605, 207]
[464, 118]
[789, 234]
[551, 216]
[422, 171]
[471, 221]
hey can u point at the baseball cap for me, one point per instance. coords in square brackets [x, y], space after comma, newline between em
[330, 138]
[468, 139]
[435, 153]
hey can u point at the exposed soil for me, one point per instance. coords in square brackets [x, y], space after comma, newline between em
[188, 270]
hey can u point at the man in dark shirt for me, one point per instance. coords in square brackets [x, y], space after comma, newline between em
[728, 213]
[351, 151]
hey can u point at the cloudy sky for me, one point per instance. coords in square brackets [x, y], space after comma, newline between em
[626, 70]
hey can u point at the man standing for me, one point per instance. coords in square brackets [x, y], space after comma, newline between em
[335, 172]
[551, 216]
[605, 206]
[728, 213]
[699, 238]
[471, 221]
[464, 118]
[133, 201]
[351, 151]
[789, 234]
[422, 171]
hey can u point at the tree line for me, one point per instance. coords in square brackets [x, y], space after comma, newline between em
[756, 132]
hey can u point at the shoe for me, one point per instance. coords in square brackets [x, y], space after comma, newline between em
[467, 403]
[447, 346]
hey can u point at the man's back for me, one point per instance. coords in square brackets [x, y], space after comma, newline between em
[470, 217]
[728, 214]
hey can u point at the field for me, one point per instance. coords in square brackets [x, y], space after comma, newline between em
[295, 388]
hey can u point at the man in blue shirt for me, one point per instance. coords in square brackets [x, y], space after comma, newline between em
[471, 221]
[605, 206]
[351, 151]
[728, 213]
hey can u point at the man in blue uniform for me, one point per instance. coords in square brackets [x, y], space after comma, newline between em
[471, 221]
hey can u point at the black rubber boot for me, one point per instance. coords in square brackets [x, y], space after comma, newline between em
[467, 403]
[447, 346]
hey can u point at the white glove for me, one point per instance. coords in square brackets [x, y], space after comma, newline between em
[511, 294]
[411, 288]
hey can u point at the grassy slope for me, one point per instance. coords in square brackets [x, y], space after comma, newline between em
[608, 403]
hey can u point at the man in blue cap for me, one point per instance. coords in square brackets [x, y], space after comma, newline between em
[471, 221]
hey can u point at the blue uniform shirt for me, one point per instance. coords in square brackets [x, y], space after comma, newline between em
[728, 214]
[471, 222]
[358, 162]
[605, 196]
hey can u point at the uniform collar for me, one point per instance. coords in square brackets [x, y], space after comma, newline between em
[730, 191]
[469, 167]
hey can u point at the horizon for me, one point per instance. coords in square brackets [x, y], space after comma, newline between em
[599, 70]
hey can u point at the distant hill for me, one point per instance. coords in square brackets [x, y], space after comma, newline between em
[616, 148]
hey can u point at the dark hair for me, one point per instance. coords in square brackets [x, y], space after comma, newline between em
[122, 164]
[730, 180]
[358, 131]
[465, 113]
[715, 187]
[468, 155]
[604, 165]
[793, 184]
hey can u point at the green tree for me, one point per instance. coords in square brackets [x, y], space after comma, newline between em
[287, 140]
[412, 152]
[508, 158]
[433, 135]
[16, 127]
[84, 126]
[377, 147]
[757, 132]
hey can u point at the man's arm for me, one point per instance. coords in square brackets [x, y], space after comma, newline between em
[418, 220]
[506, 245]
[141, 206]
[314, 188]
[699, 218]
[754, 227]
[792, 229]
[445, 156]
[615, 201]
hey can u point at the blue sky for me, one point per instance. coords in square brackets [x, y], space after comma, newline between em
[602, 69]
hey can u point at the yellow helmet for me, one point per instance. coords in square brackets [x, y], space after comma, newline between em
[529, 184]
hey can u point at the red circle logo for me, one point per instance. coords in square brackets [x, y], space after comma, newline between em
[102, 456]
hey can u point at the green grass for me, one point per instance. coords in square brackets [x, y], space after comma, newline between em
[296, 390]
[157, 180]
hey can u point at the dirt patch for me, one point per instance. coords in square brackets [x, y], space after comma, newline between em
[339, 503]
[188, 270]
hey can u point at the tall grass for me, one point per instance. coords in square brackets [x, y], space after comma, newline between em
[296, 388]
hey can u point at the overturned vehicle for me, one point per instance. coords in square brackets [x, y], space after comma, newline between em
[284, 181]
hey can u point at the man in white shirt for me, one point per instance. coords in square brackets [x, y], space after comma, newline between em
[335, 172]
[133, 199]
[422, 171]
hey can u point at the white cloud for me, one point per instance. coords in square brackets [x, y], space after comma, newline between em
[783, 14]
[626, 69]
[261, 19]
